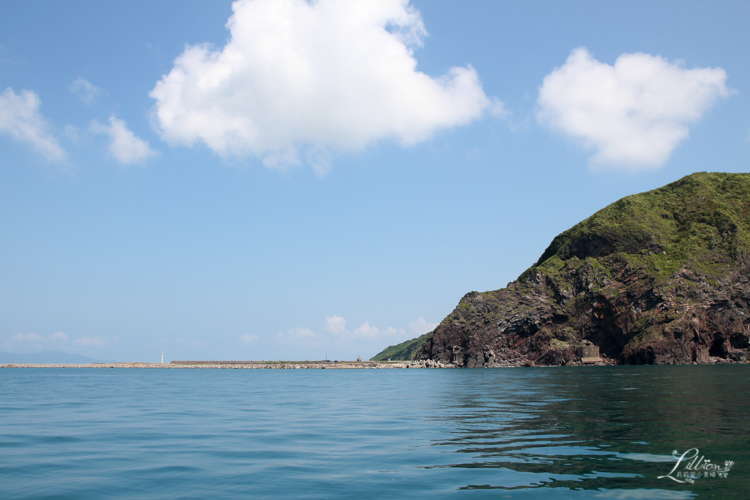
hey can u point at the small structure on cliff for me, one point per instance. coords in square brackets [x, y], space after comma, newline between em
[588, 352]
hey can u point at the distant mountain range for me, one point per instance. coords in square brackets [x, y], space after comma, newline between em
[45, 357]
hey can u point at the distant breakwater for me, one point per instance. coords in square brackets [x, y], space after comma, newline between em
[249, 365]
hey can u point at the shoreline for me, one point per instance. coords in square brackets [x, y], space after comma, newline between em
[320, 365]
[246, 365]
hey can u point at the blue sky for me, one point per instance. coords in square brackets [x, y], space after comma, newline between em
[329, 178]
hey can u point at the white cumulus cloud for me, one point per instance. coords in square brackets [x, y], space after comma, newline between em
[249, 339]
[58, 336]
[124, 145]
[20, 118]
[420, 326]
[632, 114]
[312, 77]
[335, 324]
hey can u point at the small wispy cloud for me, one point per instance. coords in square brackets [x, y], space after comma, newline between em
[297, 334]
[301, 332]
[421, 326]
[336, 337]
[86, 91]
[366, 331]
[124, 145]
[90, 341]
[337, 325]
[20, 118]
[37, 339]
[27, 337]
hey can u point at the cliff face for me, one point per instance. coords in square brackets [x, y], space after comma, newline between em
[661, 277]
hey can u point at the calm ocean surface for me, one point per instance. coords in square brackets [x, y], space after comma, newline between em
[586, 432]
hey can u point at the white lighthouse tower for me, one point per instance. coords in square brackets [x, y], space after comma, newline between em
[162, 357]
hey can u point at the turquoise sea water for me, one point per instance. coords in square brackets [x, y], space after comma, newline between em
[585, 432]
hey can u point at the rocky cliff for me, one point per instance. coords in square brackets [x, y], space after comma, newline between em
[655, 278]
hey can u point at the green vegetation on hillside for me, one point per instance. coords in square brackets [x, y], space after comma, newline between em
[702, 219]
[403, 351]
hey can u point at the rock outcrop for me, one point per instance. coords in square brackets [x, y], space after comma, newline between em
[656, 278]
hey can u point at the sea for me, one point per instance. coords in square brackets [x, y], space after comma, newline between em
[621, 432]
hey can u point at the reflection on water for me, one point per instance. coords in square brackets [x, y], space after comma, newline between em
[610, 429]
[581, 432]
